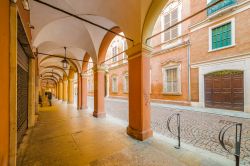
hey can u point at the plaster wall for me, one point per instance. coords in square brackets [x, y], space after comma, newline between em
[4, 84]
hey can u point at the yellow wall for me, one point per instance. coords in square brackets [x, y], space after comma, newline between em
[4, 83]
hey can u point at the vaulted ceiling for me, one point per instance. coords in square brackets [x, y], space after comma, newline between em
[55, 30]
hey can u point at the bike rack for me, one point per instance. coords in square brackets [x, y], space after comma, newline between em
[178, 128]
[238, 131]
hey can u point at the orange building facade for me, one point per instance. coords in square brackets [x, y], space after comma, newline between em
[184, 62]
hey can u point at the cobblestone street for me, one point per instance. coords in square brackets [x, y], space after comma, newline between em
[197, 128]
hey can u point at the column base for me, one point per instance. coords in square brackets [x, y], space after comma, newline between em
[99, 115]
[139, 135]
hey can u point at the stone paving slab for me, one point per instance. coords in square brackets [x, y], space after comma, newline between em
[200, 129]
[65, 136]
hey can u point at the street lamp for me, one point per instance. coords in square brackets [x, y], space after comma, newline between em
[64, 61]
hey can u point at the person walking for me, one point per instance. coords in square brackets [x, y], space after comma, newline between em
[49, 98]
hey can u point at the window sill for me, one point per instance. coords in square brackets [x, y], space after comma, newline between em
[171, 93]
[222, 48]
[125, 92]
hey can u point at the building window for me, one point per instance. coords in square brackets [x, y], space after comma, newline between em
[90, 85]
[125, 83]
[114, 84]
[219, 6]
[114, 53]
[124, 47]
[222, 36]
[171, 79]
[171, 15]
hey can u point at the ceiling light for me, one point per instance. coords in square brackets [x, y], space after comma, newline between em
[64, 61]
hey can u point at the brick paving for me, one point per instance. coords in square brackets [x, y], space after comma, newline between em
[197, 128]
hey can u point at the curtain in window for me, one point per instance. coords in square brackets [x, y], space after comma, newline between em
[172, 80]
[114, 84]
[125, 84]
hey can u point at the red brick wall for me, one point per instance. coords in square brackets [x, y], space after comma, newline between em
[194, 85]
[200, 43]
[156, 62]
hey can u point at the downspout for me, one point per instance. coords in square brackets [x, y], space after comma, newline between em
[189, 70]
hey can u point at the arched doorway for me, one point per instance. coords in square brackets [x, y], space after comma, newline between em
[225, 90]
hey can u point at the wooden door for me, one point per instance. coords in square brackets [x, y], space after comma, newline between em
[225, 90]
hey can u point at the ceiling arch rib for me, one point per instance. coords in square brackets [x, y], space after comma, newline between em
[49, 80]
[48, 60]
[54, 73]
[128, 16]
[48, 68]
[50, 76]
[66, 32]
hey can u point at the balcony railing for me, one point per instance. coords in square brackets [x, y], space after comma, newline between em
[219, 6]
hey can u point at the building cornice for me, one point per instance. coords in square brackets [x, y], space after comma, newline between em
[238, 57]
[223, 14]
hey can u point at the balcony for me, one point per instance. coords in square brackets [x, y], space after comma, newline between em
[219, 6]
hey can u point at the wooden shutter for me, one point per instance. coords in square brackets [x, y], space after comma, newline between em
[174, 20]
[166, 25]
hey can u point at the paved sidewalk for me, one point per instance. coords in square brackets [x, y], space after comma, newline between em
[199, 127]
[65, 136]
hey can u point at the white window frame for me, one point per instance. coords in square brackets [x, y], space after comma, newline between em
[208, 1]
[167, 67]
[125, 83]
[114, 59]
[179, 8]
[210, 48]
[114, 90]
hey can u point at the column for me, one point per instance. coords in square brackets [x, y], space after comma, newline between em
[8, 123]
[70, 91]
[65, 89]
[107, 84]
[79, 91]
[60, 90]
[84, 91]
[139, 96]
[37, 85]
[32, 93]
[99, 88]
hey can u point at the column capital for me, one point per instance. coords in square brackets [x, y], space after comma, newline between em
[84, 75]
[138, 49]
[99, 68]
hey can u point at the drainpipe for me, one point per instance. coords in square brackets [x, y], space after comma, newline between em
[189, 70]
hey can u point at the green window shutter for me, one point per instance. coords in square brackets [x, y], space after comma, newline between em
[222, 36]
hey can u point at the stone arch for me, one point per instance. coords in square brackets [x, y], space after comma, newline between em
[71, 62]
[57, 67]
[50, 76]
[51, 79]
[151, 18]
[58, 75]
[105, 44]
[85, 62]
